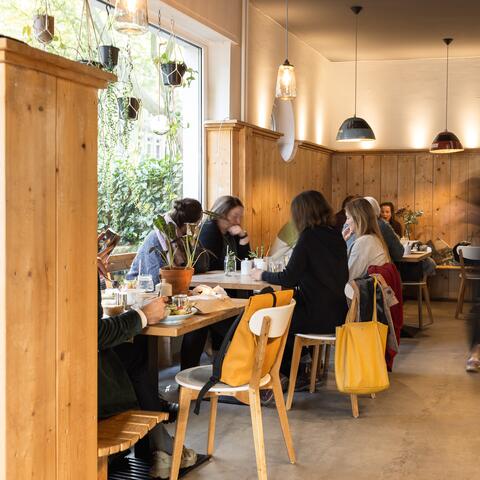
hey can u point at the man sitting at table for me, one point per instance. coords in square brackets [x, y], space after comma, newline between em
[122, 378]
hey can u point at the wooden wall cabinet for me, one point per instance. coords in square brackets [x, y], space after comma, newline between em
[48, 225]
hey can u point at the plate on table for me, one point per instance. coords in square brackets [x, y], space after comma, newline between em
[176, 319]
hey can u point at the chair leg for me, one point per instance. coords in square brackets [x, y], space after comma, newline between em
[373, 396]
[282, 414]
[257, 426]
[420, 307]
[313, 372]
[461, 297]
[297, 352]
[102, 468]
[211, 425]
[328, 349]
[426, 294]
[354, 401]
[182, 420]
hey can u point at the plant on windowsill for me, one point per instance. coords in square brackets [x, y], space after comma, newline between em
[410, 217]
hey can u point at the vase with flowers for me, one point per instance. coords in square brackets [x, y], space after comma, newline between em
[410, 217]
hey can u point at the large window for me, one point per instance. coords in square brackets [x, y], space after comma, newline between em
[145, 162]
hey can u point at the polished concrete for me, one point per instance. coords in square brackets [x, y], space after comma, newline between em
[426, 426]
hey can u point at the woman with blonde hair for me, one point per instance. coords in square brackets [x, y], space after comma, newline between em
[369, 247]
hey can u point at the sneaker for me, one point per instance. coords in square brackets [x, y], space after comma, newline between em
[473, 365]
[162, 462]
[266, 397]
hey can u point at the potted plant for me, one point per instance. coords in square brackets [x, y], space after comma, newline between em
[108, 52]
[128, 105]
[410, 217]
[44, 24]
[179, 277]
[259, 257]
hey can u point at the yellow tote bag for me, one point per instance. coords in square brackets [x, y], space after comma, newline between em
[360, 366]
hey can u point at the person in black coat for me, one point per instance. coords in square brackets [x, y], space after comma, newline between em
[225, 230]
[318, 270]
[122, 380]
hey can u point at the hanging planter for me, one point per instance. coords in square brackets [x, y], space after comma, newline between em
[172, 73]
[129, 107]
[108, 55]
[44, 27]
[87, 47]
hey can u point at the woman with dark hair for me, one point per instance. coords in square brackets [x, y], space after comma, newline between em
[224, 230]
[341, 216]
[318, 270]
[148, 259]
[388, 214]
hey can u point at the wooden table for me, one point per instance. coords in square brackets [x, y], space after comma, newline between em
[234, 281]
[416, 257]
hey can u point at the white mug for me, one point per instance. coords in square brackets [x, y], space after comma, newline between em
[246, 267]
[407, 249]
[259, 263]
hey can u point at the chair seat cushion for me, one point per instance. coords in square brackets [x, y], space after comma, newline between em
[322, 337]
[196, 377]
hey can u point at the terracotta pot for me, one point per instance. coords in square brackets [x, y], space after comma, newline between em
[178, 277]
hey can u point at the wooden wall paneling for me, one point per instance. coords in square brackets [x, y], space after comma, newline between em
[473, 224]
[355, 175]
[326, 175]
[77, 277]
[406, 182]
[439, 286]
[28, 160]
[256, 166]
[271, 167]
[245, 174]
[339, 180]
[389, 179]
[372, 176]
[424, 195]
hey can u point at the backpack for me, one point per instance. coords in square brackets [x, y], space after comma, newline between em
[234, 362]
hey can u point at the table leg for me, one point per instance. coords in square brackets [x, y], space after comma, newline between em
[153, 361]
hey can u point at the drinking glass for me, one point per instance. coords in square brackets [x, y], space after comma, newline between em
[145, 283]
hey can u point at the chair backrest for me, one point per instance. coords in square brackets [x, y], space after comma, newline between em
[280, 318]
[469, 252]
[269, 323]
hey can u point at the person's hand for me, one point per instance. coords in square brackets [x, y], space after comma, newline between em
[155, 310]
[235, 230]
[256, 274]
[347, 233]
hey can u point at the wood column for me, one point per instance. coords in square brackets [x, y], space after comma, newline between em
[48, 215]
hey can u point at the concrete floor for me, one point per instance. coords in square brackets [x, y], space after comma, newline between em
[426, 426]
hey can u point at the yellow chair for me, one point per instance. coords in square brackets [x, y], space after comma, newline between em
[265, 323]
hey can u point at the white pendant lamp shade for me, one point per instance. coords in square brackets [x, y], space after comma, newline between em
[131, 17]
[446, 142]
[286, 83]
[355, 129]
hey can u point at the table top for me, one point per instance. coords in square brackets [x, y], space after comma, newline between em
[415, 257]
[233, 281]
[195, 322]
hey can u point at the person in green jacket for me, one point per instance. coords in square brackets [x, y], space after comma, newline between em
[122, 378]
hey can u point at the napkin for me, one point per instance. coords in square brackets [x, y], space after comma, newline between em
[205, 290]
[208, 300]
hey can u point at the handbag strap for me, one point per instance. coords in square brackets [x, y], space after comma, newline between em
[374, 315]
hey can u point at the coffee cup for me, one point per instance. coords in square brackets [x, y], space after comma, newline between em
[407, 249]
[246, 267]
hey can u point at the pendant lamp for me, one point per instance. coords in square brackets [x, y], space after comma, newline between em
[131, 17]
[286, 85]
[446, 142]
[355, 129]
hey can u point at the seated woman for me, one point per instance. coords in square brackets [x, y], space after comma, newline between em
[318, 270]
[148, 257]
[388, 214]
[225, 230]
[369, 247]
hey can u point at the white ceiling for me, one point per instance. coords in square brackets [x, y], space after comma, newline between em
[388, 29]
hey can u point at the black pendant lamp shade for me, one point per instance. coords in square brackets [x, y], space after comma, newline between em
[446, 142]
[355, 129]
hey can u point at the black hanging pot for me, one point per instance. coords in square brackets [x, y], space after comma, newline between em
[108, 55]
[172, 73]
[44, 27]
[128, 107]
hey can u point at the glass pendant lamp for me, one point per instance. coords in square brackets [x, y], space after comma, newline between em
[355, 129]
[286, 84]
[131, 16]
[446, 142]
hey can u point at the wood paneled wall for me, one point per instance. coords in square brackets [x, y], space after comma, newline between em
[244, 160]
[436, 184]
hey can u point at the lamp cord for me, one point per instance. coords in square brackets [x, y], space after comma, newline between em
[286, 28]
[446, 95]
[356, 60]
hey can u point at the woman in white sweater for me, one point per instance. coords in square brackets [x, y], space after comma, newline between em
[369, 247]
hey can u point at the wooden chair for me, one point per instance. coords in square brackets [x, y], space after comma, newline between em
[422, 292]
[472, 275]
[120, 432]
[266, 323]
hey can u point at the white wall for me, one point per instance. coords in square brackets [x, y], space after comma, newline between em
[404, 101]
[266, 51]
